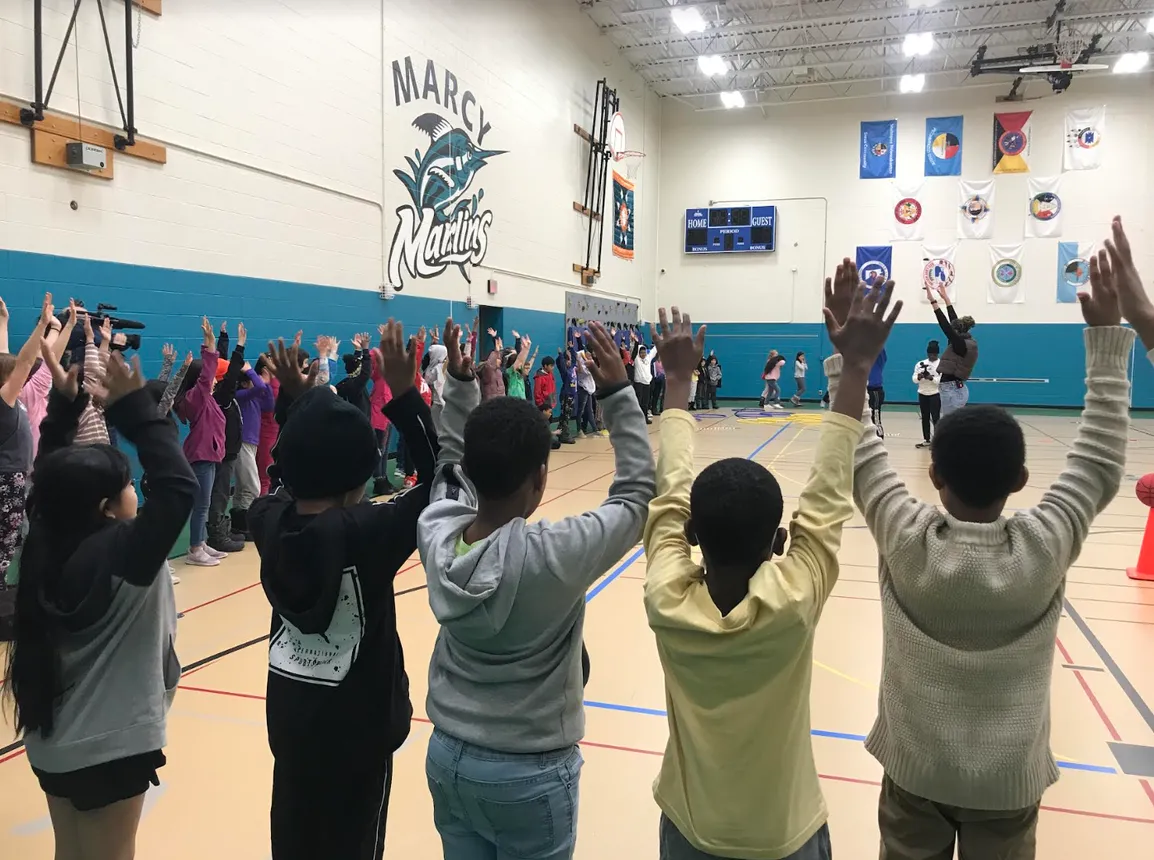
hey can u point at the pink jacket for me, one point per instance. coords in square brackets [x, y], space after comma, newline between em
[380, 395]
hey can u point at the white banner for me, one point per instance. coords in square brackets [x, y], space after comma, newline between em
[938, 270]
[908, 215]
[1044, 208]
[1085, 133]
[1006, 284]
[975, 209]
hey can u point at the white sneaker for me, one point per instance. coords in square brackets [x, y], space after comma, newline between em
[215, 553]
[175, 579]
[200, 558]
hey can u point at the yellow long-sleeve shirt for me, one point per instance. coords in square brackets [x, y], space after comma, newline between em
[738, 778]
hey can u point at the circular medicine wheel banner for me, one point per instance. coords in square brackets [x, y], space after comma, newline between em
[975, 208]
[1045, 206]
[1012, 142]
[908, 211]
[879, 149]
[1088, 138]
[1076, 273]
[1007, 273]
[938, 273]
[946, 145]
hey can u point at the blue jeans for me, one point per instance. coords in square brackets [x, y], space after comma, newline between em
[586, 420]
[954, 396]
[490, 805]
[198, 526]
[674, 846]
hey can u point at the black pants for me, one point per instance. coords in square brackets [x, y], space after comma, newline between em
[565, 420]
[641, 389]
[710, 401]
[219, 525]
[931, 407]
[328, 812]
[877, 399]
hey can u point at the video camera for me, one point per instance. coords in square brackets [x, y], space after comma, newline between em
[131, 341]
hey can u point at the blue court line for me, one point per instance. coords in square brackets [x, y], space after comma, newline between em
[822, 733]
[766, 443]
[1112, 667]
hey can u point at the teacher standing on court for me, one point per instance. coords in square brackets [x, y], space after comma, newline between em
[957, 362]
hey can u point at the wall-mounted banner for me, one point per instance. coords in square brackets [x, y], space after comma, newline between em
[1007, 281]
[975, 209]
[1085, 131]
[445, 223]
[1012, 142]
[1073, 270]
[1044, 215]
[938, 270]
[874, 262]
[906, 221]
[623, 197]
[879, 149]
[944, 146]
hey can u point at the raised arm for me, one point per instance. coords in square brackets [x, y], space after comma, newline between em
[461, 396]
[1136, 304]
[1096, 461]
[167, 360]
[12, 386]
[523, 354]
[173, 386]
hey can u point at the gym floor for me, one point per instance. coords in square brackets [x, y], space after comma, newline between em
[214, 796]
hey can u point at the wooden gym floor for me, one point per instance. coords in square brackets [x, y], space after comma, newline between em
[215, 793]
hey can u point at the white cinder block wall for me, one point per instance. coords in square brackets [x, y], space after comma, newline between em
[283, 133]
[805, 157]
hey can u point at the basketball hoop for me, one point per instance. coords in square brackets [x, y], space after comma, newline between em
[1067, 49]
[630, 161]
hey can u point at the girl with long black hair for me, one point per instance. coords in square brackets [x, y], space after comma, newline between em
[92, 668]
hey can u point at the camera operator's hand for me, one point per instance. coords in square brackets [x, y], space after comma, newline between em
[398, 358]
[66, 382]
[284, 363]
[460, 364]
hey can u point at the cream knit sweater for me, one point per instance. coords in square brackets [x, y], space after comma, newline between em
[970, 610]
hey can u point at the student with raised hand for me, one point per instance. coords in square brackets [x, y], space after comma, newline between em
[735, 635]
[505, 679]
[1136, 304]
[970, 605]
[338, 696]
[93, 669]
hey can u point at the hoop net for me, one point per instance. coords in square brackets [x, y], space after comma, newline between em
[1068, 49]
[630, 161]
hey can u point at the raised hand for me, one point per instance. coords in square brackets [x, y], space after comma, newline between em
[66, 382]
[47, 311]
[421, 334]
[398, 359]
[188, 359]
[862, 335]
[435, 335]
[1101, 306]
[3, 313]
[944, 293]
[1136, 305]
[169, 352]
[675, 342]
[284, 363]
[119, 380]
[89, 335]
[840, 290]
[241, 334]
[460, 365]
[492, 332]
[106, 334]
[208, 333]
[608, 369]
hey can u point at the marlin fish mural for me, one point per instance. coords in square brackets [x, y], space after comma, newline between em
[443, 175]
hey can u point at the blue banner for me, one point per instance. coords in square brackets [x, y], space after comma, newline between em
[944, 146]
[1073, 271]
[875, 261]
[879, 149]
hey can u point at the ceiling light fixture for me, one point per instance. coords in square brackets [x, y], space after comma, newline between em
[912, 83]
[711, 64]
[733, 100]
[1150, 26]
[1128, 64]
[688, 19]
[918, 44]
[922, 4]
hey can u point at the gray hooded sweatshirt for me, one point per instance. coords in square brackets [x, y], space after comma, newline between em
[506, 667]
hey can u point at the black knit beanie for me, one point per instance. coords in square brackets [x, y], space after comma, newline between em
[326, 447]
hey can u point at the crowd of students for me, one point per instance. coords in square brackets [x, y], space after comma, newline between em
[963, 725]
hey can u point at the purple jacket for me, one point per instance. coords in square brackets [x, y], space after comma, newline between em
[253, 401]
[205, 442]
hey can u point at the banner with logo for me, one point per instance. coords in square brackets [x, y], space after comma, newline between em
[944, 146]
[1044, 216]
[879, 149]
[975, 209]
[1073, 270]
[1012, 142]
[1085, 131]
[1007, 282]
[874, 262]
[938, 270]
[622, 217]
[907, 222]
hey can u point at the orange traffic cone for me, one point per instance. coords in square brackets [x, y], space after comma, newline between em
[1145, 567]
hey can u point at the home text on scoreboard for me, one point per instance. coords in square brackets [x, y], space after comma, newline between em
[730, 229]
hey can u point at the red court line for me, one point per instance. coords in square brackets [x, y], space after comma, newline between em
[12, 755]
[833, 777]
[1146, 787]
[219, 599]
[1090, 694]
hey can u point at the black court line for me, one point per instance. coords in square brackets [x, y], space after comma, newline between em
[204, 661]
[1112, 667]
[1083, 668]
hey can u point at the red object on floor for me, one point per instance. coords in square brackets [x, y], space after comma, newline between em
[1144, 570]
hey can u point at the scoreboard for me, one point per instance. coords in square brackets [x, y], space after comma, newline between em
[730, 230]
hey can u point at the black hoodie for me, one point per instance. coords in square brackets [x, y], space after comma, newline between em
[337, 690]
